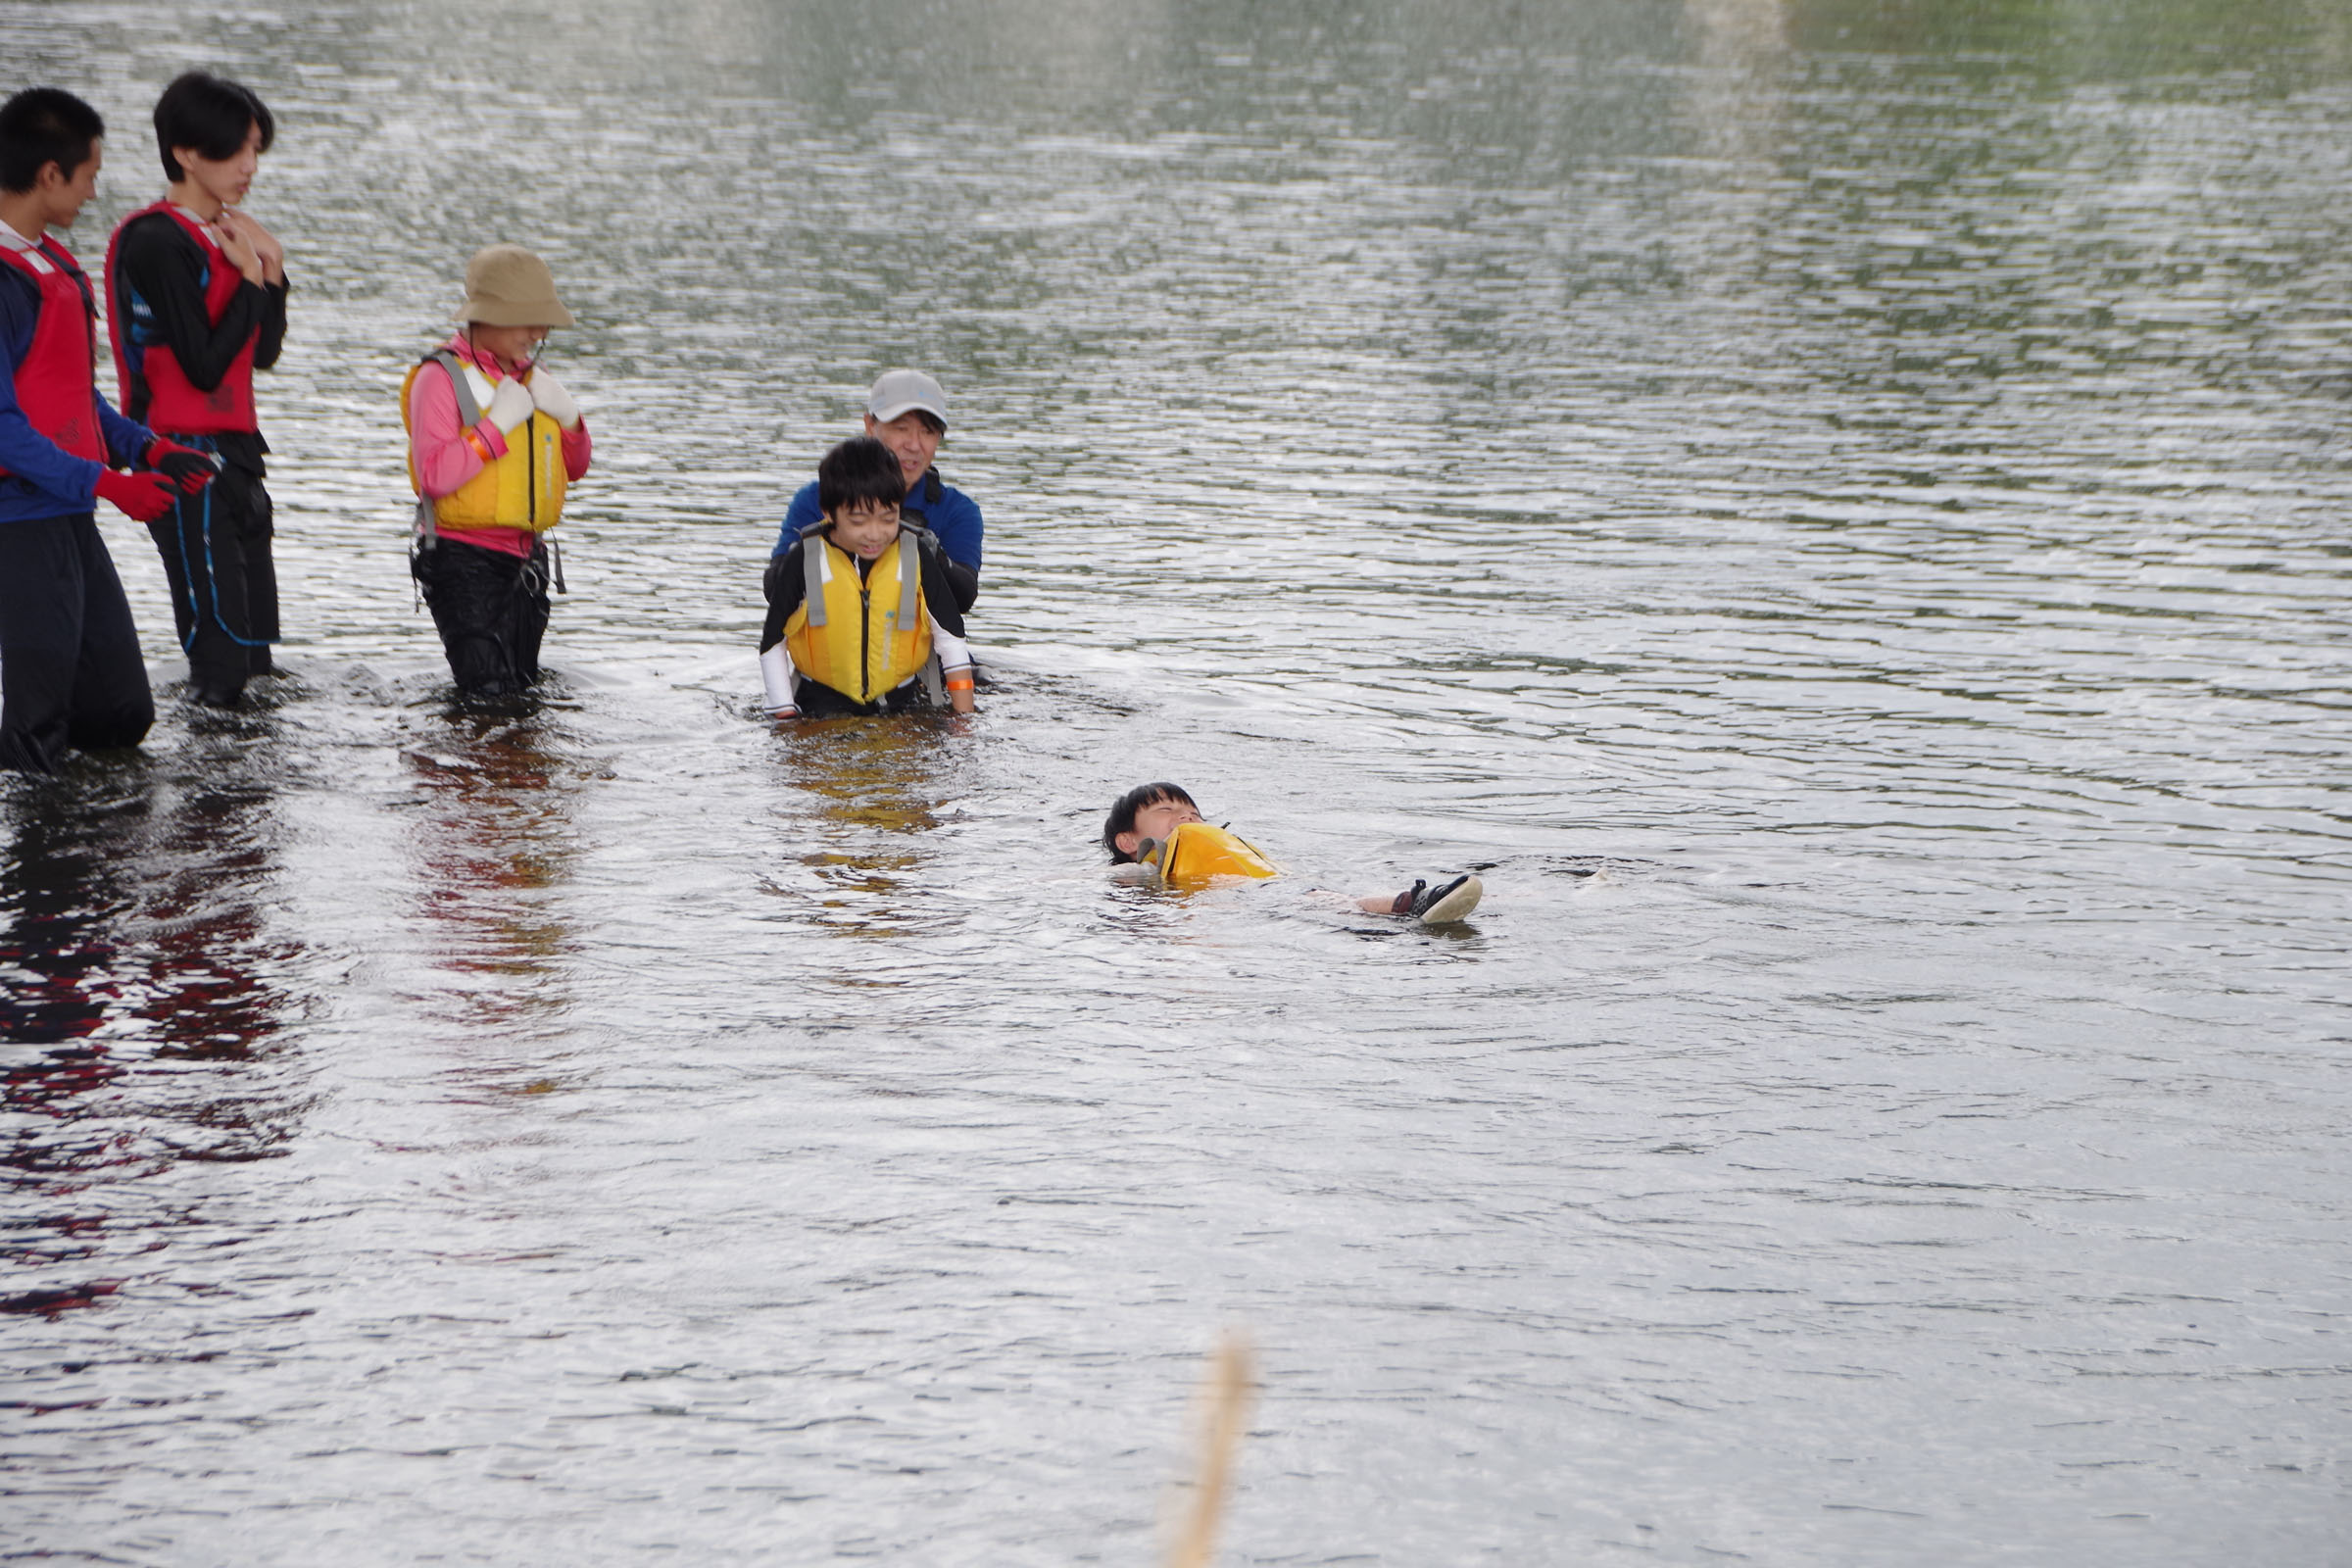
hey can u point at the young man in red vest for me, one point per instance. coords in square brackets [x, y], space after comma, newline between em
[196, 303]
[71, 672]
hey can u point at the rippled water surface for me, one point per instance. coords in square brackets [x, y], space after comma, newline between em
[1838, 508]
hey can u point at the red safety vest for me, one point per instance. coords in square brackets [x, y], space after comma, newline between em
[174, 406]
[56, 386]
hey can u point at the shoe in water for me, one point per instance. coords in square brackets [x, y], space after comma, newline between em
[1445, 903]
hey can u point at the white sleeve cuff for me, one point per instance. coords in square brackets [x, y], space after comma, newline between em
[952, 651]
[775, 673]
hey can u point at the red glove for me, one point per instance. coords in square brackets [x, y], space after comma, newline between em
[184, 467]
[142, 497]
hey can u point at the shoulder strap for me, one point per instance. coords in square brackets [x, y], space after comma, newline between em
[908, 617]
[34, 264]
[470, 412]
[813, 565]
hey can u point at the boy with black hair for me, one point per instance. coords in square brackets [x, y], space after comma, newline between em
[196, 303]
[71, 672]
[906, 411]
[1157, 829]
[859, 610]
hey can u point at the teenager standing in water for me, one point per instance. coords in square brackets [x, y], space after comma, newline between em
[196, 303]
[71, 672]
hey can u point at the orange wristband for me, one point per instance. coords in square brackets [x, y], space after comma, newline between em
[959, 683]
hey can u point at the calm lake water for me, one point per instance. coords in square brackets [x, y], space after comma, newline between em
[1838, 508]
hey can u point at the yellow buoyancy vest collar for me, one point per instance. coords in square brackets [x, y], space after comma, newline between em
[816, 553]
[1196, 854]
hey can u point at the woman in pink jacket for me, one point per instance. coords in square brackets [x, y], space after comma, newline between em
[494, 442]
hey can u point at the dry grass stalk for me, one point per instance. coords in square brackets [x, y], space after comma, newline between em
[1225, 1411]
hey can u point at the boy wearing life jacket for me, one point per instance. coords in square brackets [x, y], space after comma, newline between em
[196, 303]
[860, 608]
[71, 672]
[494, 440]
[1156, 835]
[906, 412]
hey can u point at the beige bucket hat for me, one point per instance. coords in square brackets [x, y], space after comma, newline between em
[507, 285]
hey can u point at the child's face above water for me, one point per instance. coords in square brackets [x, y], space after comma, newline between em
[1157, 822]
[866, 528]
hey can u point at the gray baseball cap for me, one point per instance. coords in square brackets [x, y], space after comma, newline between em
[898, 392]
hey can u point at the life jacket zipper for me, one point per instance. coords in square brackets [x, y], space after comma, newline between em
[865, 639]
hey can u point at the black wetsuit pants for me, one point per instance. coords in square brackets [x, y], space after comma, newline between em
[71, 672]
[817, 699]
[215, 550]
[490, 608]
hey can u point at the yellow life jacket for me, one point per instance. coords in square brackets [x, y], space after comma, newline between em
[1194, 854]
[862, 634]
[524, 489]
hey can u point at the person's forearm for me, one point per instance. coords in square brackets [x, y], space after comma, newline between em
[577, 450]
[126, 440]
[272, 336]
[173, 291]
[27, 455]
[955, 664]
[775, 676]
[964, 582]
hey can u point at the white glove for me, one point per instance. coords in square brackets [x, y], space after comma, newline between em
[549, 396]
[509, 405]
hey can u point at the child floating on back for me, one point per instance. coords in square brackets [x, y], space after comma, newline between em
[1157, 829]
[861, 615]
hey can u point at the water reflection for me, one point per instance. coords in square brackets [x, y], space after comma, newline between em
[495, 853]
[876, 789]
[137, 902]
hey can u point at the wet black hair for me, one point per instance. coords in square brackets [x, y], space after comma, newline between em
[40, 126]
[861, 469]
[1122, 814]
[210, 113]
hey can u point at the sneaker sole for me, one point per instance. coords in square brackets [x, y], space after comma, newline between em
[1456, 904]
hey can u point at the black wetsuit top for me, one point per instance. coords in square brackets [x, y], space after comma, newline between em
[165, 266]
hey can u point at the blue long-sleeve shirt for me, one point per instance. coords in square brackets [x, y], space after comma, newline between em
[952, 517]
[42, 478]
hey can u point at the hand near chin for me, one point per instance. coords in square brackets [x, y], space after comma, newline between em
[242, 228]
[238, 250]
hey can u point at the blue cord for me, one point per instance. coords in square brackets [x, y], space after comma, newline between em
[188, 644]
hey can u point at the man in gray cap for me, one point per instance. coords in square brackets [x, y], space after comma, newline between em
[906, 412]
